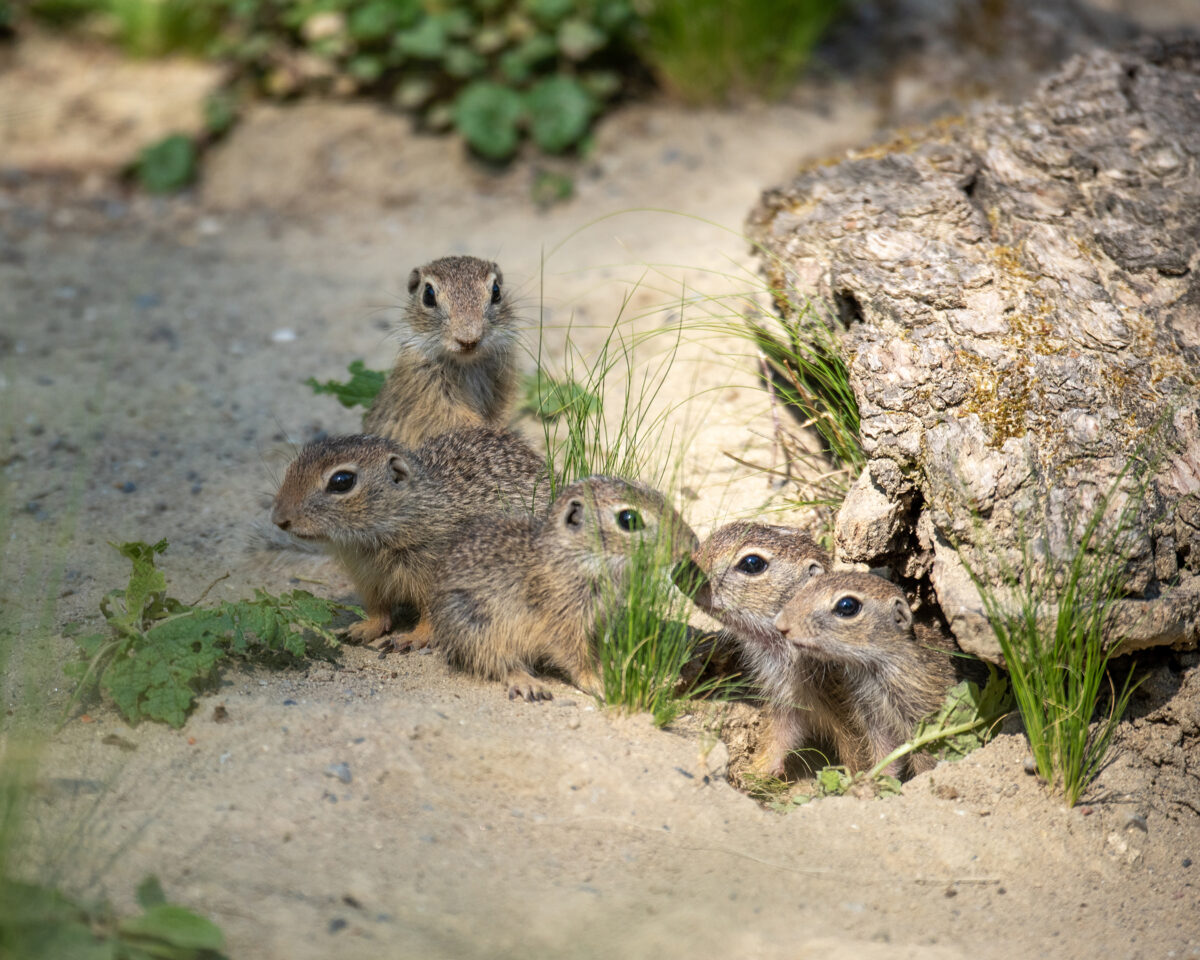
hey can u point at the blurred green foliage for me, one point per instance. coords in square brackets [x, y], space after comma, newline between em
[707, 50]
[496, 71]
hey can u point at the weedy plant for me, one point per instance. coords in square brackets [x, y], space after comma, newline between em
[158, 652]
[1052, 620]
[708, 50]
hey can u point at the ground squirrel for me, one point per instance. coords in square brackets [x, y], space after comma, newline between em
[743, 574]
[387, 513]
[849, 655]
[456, 366]
[520, 594]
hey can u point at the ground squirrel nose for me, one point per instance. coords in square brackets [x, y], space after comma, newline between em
[466, 345]
[282, 523]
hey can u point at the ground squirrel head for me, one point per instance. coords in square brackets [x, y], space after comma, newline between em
[851, 618]
[351, 488]
[602, 521]
[744, 573]
[458, 309]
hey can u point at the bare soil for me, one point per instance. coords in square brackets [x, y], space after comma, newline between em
[152, 354]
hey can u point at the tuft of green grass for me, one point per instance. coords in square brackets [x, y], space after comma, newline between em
[707, 50]
[158, 652]
[1051, 620]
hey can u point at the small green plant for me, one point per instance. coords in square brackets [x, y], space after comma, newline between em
[549, 399]
[1051, 620]
[646, 642]
[168, 165]
[158, 652]
[40, 923]
[359, 391]
[707, 50]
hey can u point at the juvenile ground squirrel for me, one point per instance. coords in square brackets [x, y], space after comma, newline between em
[456, 366]
[388, 513]
[520, 594]
[852, 658]
[745, 574]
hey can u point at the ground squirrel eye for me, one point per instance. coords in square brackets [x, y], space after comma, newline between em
[495, 291]
[427, 297]
[630, 520]
[341, 482]
[846, 607]
[752, 564]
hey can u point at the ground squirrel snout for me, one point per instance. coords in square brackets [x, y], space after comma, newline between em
[387, 513]
[525, 594]
[456, 366]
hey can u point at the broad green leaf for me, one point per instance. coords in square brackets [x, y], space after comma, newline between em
[145, 580]
[463, 62]
[150, 892]
[487, 115]
[426, 41]
[548, 399]
[176, 926]
[360, 390]
[560, 110]
[578, 39]
[168, 165]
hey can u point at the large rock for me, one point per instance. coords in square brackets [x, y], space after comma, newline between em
[1020, 297]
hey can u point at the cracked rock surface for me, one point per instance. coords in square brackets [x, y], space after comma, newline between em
[1019, 294]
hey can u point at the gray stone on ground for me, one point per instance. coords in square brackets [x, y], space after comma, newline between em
[1019, 294]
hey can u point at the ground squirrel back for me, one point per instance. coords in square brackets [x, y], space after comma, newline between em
[528, 593]
[456, 366]
[388, 513]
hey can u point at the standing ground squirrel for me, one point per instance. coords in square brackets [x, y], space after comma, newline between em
[456, 366]
[849, 637]
[746, 573]
[519, 594]
[388, 513]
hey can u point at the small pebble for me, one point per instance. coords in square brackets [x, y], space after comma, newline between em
[337, 924]
[128, 486]
[1186, 862]
[1135, 821]
[339, 770]
[572, 722]
[283, 335]
[1030, 766]
[289, 703]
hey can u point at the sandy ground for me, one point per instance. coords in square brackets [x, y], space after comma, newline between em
[152, 355]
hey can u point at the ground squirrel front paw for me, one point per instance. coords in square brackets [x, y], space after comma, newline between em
[416, 639]
[526, 687]
[370, 629]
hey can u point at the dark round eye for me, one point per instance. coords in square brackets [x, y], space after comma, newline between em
[630, 520]
[427, 297]
[846, 607]
[341, 482]
[752, 564]
[495, 291]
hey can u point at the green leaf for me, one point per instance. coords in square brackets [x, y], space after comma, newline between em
[487, 114]
[578, 39]
[462, 62]
[549, 11]
[426, 41]
[519, 64]
[176, 926]
[373, 21]
[168, 165]
[366, 68]
[360, 390]
[150, 892]
[145, 581]
[560, 110]
[548, 399]
[220, 112]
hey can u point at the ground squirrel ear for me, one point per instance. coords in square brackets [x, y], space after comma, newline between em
[815, 568]
[902, 613]
[414, 279]
[399, 468]
[573, 516]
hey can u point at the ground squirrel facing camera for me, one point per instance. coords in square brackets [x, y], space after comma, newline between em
[520, 594]
[388, 513]
[456, 366]
[848, 653]
[743, 574]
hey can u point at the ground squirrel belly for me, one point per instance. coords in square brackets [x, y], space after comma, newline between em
[851, 636]
[745, 574]
[523, 594]
[456, 366]
[388, 513]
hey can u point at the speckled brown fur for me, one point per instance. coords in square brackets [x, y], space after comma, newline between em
[405, 509]
[526, 593]
[456, 366]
